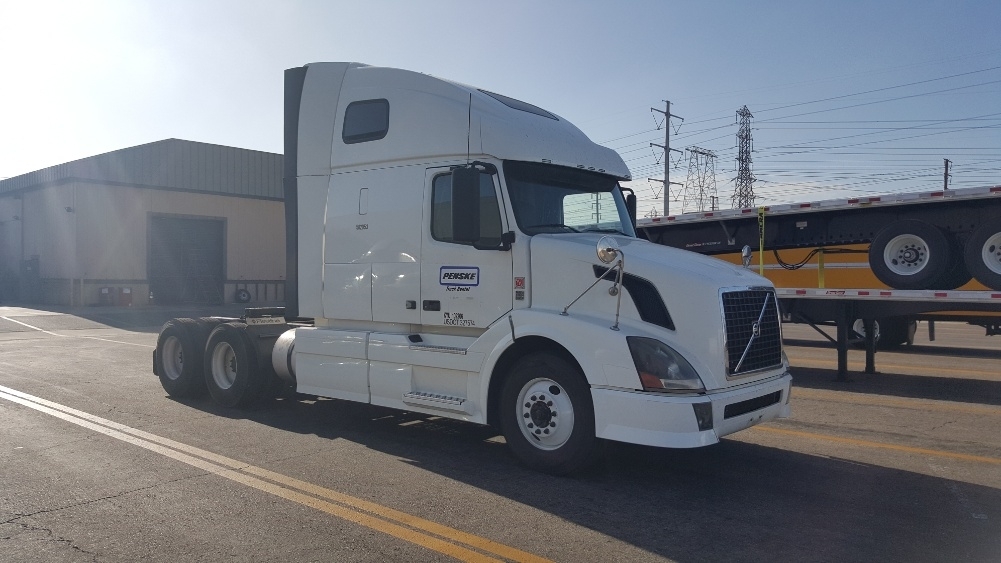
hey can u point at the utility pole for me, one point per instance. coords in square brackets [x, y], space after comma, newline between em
[945, 175]
[743, 193]
[667, 154]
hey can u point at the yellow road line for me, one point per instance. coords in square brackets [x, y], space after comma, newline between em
[882, 401]
[880, 445]
[352, 511]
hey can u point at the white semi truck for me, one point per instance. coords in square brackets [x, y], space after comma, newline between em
[460, 253]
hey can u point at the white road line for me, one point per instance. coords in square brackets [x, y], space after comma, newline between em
[75, 335]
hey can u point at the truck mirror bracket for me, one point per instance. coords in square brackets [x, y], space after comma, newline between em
[507, 239]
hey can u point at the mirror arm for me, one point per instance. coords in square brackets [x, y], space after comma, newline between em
[507, 239]
[484, 166]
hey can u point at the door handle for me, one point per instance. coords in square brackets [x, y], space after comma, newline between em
[432, 305]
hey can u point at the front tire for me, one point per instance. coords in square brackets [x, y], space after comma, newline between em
[547, 414]
[983, 254]
[231, 371]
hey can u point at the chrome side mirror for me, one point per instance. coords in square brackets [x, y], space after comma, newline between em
[608, 249]
[745, 256]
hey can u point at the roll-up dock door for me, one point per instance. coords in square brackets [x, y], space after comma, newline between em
[186, 260]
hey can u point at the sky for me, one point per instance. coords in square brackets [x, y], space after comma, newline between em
[848, 98]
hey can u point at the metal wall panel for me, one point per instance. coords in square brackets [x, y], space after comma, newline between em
[171, 164]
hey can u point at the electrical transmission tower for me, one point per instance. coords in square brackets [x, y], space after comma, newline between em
[700, 186]
[743, 193]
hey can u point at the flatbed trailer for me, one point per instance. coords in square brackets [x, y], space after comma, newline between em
[843, 307]
[930, 240]
[862, 263]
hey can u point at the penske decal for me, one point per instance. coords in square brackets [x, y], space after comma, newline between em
[459, 276]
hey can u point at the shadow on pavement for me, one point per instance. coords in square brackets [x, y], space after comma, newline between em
[916, 349]
[730, 502]
[977, 391]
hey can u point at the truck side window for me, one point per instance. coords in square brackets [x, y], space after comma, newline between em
[367, 120]
[441, 210]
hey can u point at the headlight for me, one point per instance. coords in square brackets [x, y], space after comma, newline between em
[661, 368]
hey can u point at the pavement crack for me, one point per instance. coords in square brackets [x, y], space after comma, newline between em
[19, 516]
[943, 425]
[52, 537]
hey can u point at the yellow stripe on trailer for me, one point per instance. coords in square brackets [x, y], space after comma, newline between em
[839, 270]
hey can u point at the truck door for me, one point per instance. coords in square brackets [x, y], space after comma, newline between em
[461, 285]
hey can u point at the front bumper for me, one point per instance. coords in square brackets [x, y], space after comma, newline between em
[668, 421]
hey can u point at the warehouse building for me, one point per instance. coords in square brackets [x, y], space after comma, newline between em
[169, 222]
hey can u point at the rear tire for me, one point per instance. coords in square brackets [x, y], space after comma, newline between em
[232, 375]
[178, 358]
[547, 414]
[910, 254]
[983, 254]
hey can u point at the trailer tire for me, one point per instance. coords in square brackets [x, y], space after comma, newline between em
[547, 414]
[909, 254]
[983, 254]
[891, 332]
[897, 332]
[956, 276]
[232, 375]
[178, 358]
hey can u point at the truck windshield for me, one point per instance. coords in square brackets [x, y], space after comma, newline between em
[556, 199]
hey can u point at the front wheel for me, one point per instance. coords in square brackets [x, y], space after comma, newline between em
[547, 415]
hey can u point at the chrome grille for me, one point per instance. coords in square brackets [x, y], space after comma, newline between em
[753, 337]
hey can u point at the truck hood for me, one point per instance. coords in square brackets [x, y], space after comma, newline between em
[649, 260]
[689, 284]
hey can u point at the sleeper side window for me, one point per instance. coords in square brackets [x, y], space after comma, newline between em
[441, 210]
[366, 120]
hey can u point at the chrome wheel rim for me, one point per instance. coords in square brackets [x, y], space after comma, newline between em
[172, 354]
[991, 253]
[545, 414]
[906, 255]
[224, 365]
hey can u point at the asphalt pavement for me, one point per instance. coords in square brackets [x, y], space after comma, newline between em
[98, 464]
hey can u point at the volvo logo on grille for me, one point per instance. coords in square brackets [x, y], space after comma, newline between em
[755, 332]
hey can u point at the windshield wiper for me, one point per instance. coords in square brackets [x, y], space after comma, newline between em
[554, 225]
[602, 230]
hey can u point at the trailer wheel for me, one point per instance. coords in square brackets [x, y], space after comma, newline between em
[983, 254]
[891, 332]
[231, 372]
[178, 357]
[897, 332]
[909, 254]
[547, 415]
